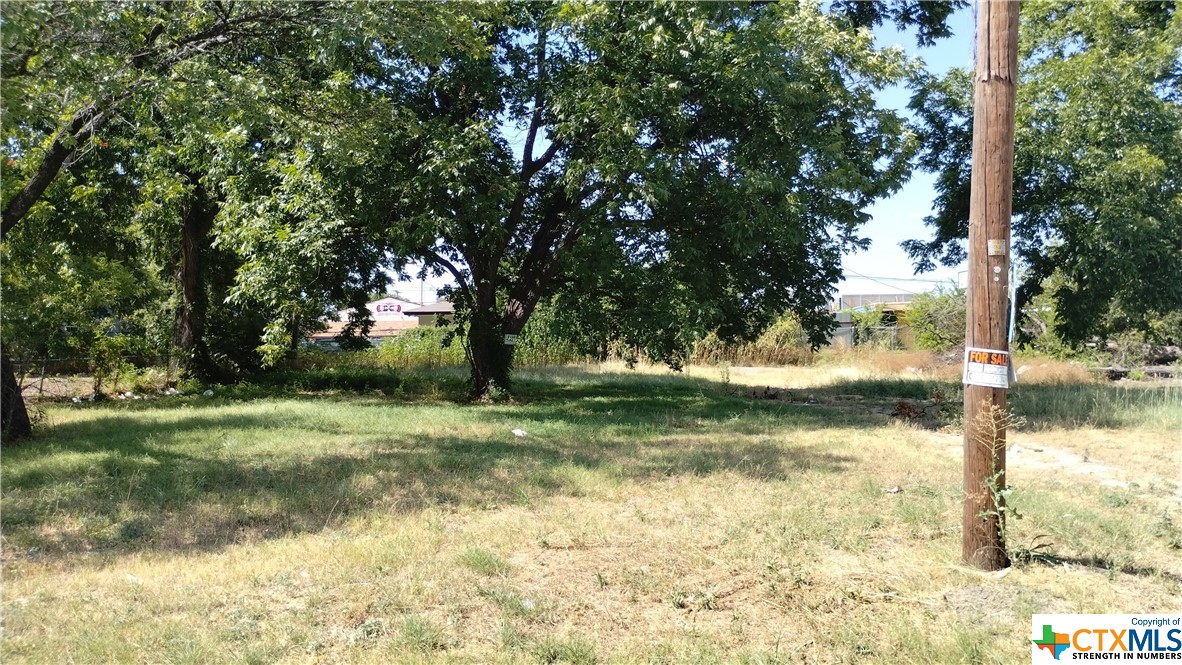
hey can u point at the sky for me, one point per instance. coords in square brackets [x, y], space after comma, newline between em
[900, 217]
[884, 267]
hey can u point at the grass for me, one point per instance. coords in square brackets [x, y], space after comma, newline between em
[644, 517]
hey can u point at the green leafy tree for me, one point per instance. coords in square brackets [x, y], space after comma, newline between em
[867, 322]
[618, 151]
[74, 72]
[1098, 164]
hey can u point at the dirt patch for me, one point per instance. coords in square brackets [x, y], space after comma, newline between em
[999, 604]
[1042, 457]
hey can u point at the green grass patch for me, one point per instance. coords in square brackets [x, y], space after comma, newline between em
[484, 561]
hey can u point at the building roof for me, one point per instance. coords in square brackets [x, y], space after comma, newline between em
[441, 307]
[378, 329]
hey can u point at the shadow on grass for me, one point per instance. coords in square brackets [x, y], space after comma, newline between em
[1043, 406]
[124, 481]
[182, 474]
[1106, 565]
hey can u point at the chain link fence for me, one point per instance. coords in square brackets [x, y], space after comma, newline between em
[59, 378]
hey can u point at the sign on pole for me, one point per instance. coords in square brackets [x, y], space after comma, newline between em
[986, 367]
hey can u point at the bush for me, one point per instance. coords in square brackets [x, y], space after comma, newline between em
[148, 380]
[783, 343]
[544, 341]
[937, 319]
[420, 347]
[347, 379]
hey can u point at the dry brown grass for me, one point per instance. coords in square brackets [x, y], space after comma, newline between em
[644, 518]
[1048, 371]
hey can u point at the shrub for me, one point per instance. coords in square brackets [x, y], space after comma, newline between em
[421, 347]
[783, 343]
[937, 319]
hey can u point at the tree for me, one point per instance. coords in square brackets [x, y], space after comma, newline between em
[622, 148]
[72, 69]
[1098, 165]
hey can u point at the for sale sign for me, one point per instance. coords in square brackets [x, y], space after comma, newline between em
[986, 367]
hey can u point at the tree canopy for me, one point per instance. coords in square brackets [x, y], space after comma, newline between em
[620, 148]
[225, 173]
[1098, 164]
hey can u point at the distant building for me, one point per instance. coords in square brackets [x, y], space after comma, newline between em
[390, 320]
[429, 314]
[867, 300]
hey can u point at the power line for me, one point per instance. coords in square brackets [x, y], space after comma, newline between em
[899, 279]
[889, 286]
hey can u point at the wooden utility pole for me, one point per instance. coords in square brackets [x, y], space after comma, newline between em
[990, 205]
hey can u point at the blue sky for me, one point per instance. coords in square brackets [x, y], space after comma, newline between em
[900, 217]
[884, 267]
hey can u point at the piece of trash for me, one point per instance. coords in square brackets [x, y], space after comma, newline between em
[208, 393]
[520, 432]
[304, 574]
[1002, 573]
[133, 579]
[893, 490]
[77, 400]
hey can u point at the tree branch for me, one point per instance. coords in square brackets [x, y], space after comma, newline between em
[434, 257]
[527, 155]
[17, 64]
[83, 124]
[80, 129]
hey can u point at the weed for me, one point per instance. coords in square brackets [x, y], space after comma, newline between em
[1114, 500]
[1035, 552]
[422, 634]
[1167, 530]
[989, 432]
[511, 603]
[600, 580]
[369, 630]
[570, 650]
[484, 561]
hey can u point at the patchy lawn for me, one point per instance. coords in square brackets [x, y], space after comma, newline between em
[643, 518]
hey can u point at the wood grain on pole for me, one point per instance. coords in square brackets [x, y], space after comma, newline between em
[990, 205]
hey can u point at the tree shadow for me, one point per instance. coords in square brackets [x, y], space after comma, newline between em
[1105, 565]
[125, 482]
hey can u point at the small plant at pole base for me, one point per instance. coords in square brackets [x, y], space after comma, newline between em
[989, 432]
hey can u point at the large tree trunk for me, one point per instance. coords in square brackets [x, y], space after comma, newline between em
[14, 419]
[196, 223]
[490, 358]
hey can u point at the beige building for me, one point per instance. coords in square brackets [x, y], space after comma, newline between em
[428, 315]
[390, 319]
